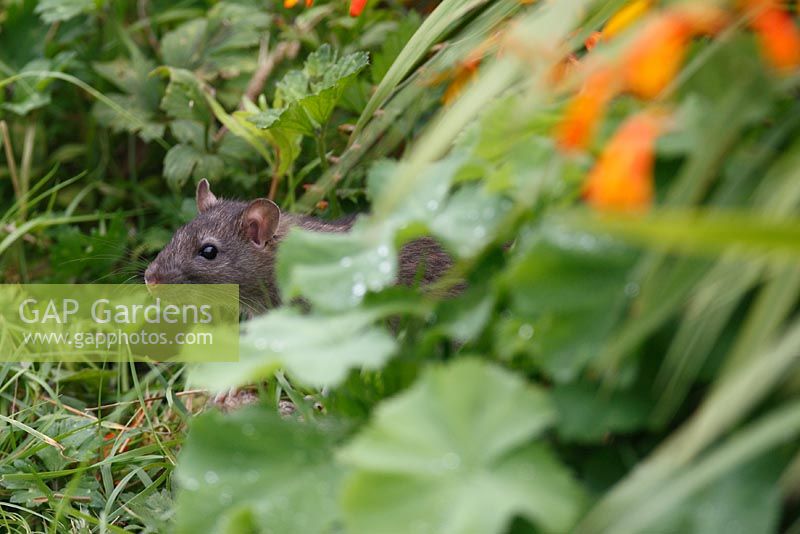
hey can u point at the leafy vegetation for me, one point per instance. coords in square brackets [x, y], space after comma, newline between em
[616, 183]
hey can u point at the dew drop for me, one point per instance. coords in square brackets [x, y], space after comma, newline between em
[451, 461]
[385, 267]
[277, 346]
[211, 477]
[225, 498]
[191, 104]
[631, 289]
[261, 343]
[191, 484]
[479, 232]
[432, 205]
[525, 331]
[346, 262]
[383, 251]
[359, 289]
[587, 241]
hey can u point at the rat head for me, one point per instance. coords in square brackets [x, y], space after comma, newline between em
[229, 242]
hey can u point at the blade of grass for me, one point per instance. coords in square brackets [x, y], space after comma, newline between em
[729, 401]
[430, 31]
[89, 89]
[779, 426]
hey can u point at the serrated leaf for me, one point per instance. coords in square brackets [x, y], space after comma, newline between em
[219, 44]
[184, 97]
[470, 220]
[188, 132]
[316, 350]
[306, 98]
[31, 93]
[252, 471]
[184, 161]
[60, 10]
[335, 270]
[147, 128]
[453, 455]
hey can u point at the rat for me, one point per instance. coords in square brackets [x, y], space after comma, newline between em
[236, 242]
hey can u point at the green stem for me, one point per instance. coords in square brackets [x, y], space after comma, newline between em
[336, 209]
[322, 151]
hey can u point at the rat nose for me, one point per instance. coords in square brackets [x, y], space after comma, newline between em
[150, 278]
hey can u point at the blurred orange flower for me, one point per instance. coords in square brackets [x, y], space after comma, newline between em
[356, 7]
[289, 4]
[626, 16]
[777, 33]
[592, 40]
[656, 55]
[587, 109]
[622, 179]
[463, 75]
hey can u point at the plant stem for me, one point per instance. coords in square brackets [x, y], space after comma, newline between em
[12, 163]
[322, 151]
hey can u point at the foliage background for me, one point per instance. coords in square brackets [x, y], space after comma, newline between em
[605, 370]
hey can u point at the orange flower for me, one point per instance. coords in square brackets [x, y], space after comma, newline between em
[625, 17]
[309, 3]
[563, 68]
[463, 75]
[356, 7]
[592, 40]
[778, 35]
[289, 4]
[701, 19]
[656, 55]
[587, 109]
[622, 179]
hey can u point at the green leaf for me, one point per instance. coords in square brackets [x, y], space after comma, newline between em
[34, 91]
[453, 454]
[60, 10]
[185, 97]
[305, 99]
[427, 200]
[588, 413]
[184, 161]
[316, 350]
[146, 126]
[570, 287]
[470, 220]
[432, 29]
[745, 501]
[251, 471]
[220, 44]
[744, 234]
[335, 270]
[392, 45]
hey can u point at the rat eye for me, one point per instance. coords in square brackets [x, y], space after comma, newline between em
[209, 252]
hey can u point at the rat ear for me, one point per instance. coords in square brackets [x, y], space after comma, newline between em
[260, 221]
[204, 197]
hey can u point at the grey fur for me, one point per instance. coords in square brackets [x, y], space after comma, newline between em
[242, 262]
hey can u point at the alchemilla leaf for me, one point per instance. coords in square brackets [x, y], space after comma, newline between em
[317, 350]
[456, 454]
[251, 471]
[335, 270]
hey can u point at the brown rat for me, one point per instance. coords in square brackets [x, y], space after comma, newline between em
[234, 242]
